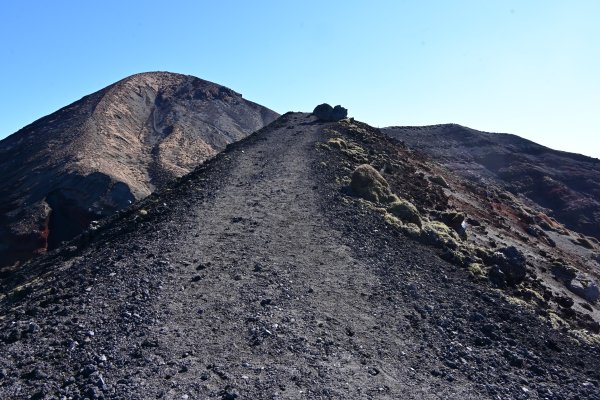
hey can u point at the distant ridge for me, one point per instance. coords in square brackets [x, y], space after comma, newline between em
[568, 184]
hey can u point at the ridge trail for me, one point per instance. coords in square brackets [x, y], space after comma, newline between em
[254, 277]
[273, 270]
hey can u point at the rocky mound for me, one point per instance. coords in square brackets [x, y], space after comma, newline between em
[566, 185]
[103, 152]
[293, 265]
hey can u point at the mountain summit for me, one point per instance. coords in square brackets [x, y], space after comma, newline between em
[103, 152]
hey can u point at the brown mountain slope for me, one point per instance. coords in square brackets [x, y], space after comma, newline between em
[566, 184]
[108, 149]
[285, 267]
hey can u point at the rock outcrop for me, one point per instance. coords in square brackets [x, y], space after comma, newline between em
[101, 153]
[330, 114]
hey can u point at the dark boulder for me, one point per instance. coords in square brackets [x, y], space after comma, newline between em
[327, 113]
[512, 263]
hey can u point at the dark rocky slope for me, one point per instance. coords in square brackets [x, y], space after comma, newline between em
[262, 275]
[566, 184]
[109, 149]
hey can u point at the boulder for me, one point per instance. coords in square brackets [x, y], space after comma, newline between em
[584, 287]
[512, 263]
[331, 114]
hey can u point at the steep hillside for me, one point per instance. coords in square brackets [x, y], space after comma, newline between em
[308, 261]
[566, 184]
[108, 149]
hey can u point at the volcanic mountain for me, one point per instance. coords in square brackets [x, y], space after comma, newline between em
[566, 184]
[103, 152]
[310, 260]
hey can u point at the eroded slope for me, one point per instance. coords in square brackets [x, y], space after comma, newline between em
[566, 184]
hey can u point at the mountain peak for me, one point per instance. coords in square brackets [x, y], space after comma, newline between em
[119, 143]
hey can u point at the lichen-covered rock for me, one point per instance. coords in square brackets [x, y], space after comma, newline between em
[563, 272]
[406, 211]
[368, 183]
[440, 235]
[323, 111]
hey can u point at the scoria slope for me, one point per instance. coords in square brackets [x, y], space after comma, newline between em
[566, 184]
[103, 152]
[308, 261]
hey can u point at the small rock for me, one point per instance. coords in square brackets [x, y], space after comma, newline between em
[228, 394]
[33, 327]
[564, 301]
[150, 343]
[513, 359]
[88, 370]
[497, 276]
[266, 302]
[585, 287]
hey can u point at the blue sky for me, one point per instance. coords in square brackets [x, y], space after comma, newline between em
[531, 68]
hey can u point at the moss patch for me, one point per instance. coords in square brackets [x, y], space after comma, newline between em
[368, 183]
[337, 143]
[585, 336]
[476, 269]
[406, 211]
[440, 235]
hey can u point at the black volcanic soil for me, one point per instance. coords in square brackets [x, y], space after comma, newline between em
[566, 184]
[257, 276]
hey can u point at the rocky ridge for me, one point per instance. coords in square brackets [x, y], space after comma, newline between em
[310, 260]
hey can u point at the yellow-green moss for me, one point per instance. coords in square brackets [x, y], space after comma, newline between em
[368, 183]
[439, 234]
[338, 143]
[350, 149]
[476, 269]
[406, 211]
[517, 301]
[344, 180]
[585, 336]
[390, 219]
[534, 294]
[411, 230]
[556, 321]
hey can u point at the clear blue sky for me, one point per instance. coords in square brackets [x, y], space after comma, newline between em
[526, 67]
